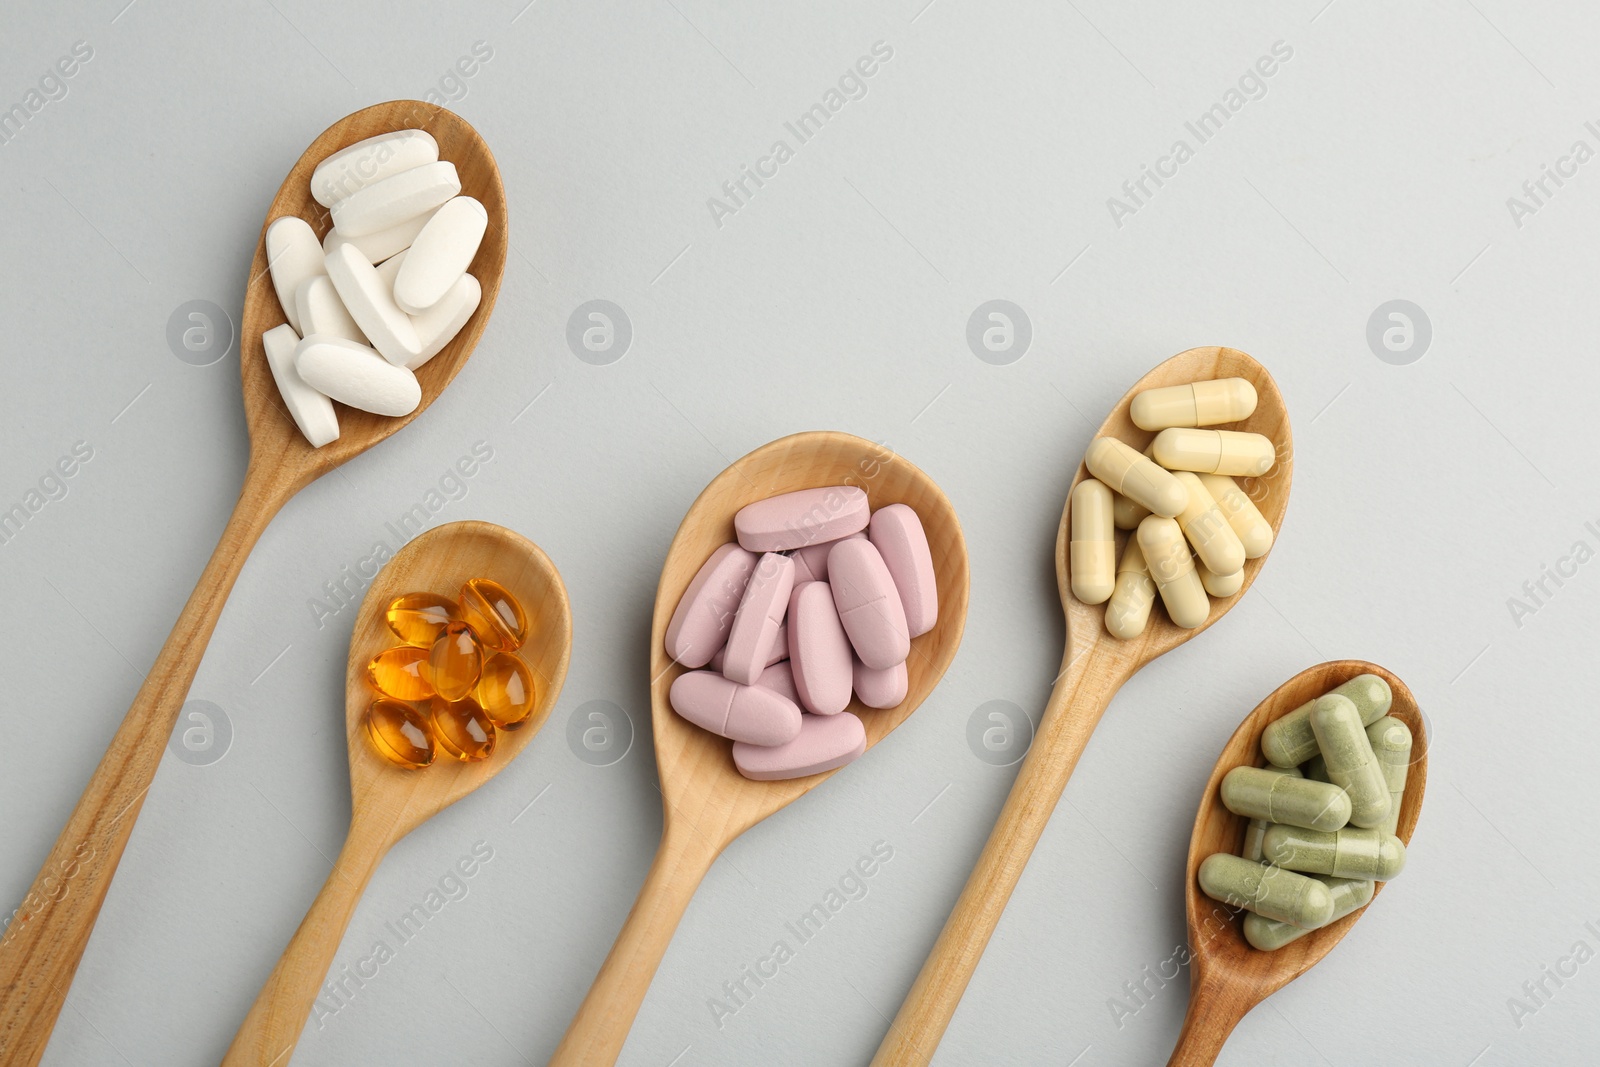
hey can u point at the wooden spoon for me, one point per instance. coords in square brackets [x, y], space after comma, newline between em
[1093, 667]
[708, 802]
[387, 801]
[1228, 977]
[43, 944]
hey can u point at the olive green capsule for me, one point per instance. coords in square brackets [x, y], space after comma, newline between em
[1288, 740]
[1255, 829]
[1277, 796]
[1271, 892]
[1347, 853]
[1391, 743]
[1348, 895]
[1315, 768]
[1352, 766]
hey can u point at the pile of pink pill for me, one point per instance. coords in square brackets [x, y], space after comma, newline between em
[817, 600]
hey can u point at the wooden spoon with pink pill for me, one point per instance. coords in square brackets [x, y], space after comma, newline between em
[1093, 667]
[707, 803]
[41, 948]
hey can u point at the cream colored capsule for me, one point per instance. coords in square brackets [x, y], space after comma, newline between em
[1195, 404]
[1207, 528]
[1221, 585]
[1093, 549]
[1214, 452]
[1166, 553]
[1135, 476]
[1125, 514]
[1129, 608]
[1252, 528]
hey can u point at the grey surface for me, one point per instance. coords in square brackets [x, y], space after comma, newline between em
[1376, 167]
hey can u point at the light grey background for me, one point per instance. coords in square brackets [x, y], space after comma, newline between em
[1377, 166]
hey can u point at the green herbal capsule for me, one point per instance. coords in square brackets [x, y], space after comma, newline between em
[1271, 892]
[1277, 796]
[1391, 743]
[1315, 768]
[1348, 895]
[1255, 829]
[1352, 766]
[1288, 740]
[1349, 853]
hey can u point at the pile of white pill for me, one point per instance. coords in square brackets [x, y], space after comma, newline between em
[1322, 813]
[817, 600]
[384, 293]
[1178, 495]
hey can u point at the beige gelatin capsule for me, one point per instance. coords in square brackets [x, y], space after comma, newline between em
[1196, 404]
[1221, 585]
[1207, 528]
[1092, 551]
[1135, 476]
[1214, 452]
[491, 610]
[461, 729]
[1166, 553]
[1249, 525]
[418, 618]
[1128, 610]
[505, 690]
[1125, 514]
[398, 733]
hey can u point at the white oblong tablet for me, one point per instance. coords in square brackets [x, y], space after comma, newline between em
[439, 325]
[380, 244]
[293, 255]
[441, 253]
[321, 311]
[365, 162]
[395, 199]
[311, 411]
[372, 305]
[356, 375]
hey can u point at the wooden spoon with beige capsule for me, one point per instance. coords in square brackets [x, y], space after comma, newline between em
[389, 801]
[1093, 667]
[41, 948]
[1227, 975]
[706, 801]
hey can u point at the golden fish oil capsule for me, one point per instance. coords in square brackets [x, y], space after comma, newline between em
[398, 733]
[1092, 552]
[505, 690]
[454, 662]
[1207, 528]
[399, 673]
[1196, 404]
[1221, 585]
[491, 610]
[1125, 514]
[1166, 553]
[1134, 476]
[461, 729]
[1249, 525]
[1214, 452]
[1128, 610]
[417, 618]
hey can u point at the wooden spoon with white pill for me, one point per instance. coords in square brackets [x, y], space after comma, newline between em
[706, 801]
[44, 942]
[1227, 975]
[1094, 666]
[388, 801]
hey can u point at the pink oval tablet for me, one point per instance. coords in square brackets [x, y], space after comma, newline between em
[819, 651]
[747, 713]
[868, 605]
[811, 562]
[780, 679]
[824, 742]
[880, 689]
[761, 612]
[898, 536]
[806, 517]
[700, 622]
[776, 654]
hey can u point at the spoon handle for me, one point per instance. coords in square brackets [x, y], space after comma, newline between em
[272, 1027]
[40, 950]
[596, 1034]
[1082, 691]
[1211, 1016]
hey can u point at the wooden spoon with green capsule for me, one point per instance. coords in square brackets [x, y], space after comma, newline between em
[1227, 975]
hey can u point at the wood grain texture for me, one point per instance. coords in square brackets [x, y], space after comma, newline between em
[388, 802]
[41, 948]
[707, 802]
[1094, 666]
[1227, 977]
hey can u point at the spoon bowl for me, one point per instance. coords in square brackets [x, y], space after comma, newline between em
[707, 802]
[1227, 976]
[1094, 666]
[388, 801]
[40, 950]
